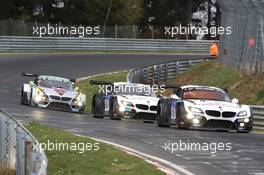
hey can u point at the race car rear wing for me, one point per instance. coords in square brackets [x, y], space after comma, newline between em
[29, 74]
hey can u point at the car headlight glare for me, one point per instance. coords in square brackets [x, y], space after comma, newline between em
[125, 103]
[190, 116]
[38, 98]
[122, 108]
[242, 114]
[79, 97]
[196, 110]
[79, 104]
[246, 120]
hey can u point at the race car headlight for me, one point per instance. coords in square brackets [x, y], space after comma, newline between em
[196, 110]
[79, 97]
[246, 120]
[190, 116]
[242, 114]
[40, 96]
[78, 100]
[125, 103]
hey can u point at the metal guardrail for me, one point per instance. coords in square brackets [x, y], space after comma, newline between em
[162, 72]
[19, 150]
[19, 43]
[258, 114]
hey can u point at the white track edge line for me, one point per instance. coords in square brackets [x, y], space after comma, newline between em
[133, 151]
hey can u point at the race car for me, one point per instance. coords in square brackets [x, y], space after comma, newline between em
[203, 107]
[52, 92]
[122, 99]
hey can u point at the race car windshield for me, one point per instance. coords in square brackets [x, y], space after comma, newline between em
[55, 84]
[134, 90]
[205, 95]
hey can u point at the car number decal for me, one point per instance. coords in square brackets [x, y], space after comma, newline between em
[107, 107]
[173, 110]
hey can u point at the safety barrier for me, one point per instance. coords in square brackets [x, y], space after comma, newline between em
[16, 43]
[162, 72]
[19, 150]
[258, 114]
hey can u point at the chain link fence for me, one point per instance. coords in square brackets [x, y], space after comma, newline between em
[244, 48]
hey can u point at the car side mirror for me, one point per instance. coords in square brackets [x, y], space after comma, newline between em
[235, 101]
[32, 83]
[76, 89]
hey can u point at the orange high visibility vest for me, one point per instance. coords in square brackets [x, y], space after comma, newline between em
[214, 50]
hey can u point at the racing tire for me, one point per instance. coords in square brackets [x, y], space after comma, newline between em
[113, 109]
[23, 98]
[95, 109]
[163, 113]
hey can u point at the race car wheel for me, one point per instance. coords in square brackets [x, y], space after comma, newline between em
[163, 113]
[23, 98]
[114, 110]
[95, 108]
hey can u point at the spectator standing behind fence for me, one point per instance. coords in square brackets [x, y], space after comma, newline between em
[214, 50]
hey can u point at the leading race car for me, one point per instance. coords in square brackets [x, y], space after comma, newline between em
[122, 99]
[54, 93]
[203, 107]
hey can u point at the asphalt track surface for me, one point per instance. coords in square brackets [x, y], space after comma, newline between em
[245, 157]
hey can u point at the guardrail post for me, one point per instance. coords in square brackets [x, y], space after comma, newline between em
[190, 62]
[177, 67]
[20, 152]
[166, 72]
[28, 149]
[12, 146]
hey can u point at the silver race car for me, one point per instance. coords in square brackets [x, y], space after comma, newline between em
[54, 93]
[203, 107]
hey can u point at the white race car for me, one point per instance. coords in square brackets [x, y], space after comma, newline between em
[54, 93]
[122, 99]
[203, 107]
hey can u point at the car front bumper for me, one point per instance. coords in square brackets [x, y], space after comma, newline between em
[233, 123]
[59, 105]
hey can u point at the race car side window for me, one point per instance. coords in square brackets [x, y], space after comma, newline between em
[178, 92]
[36, 81]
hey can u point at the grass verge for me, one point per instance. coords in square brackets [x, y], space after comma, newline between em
[89, 90]
[107, 160]
[249, 89]
[5, 171]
